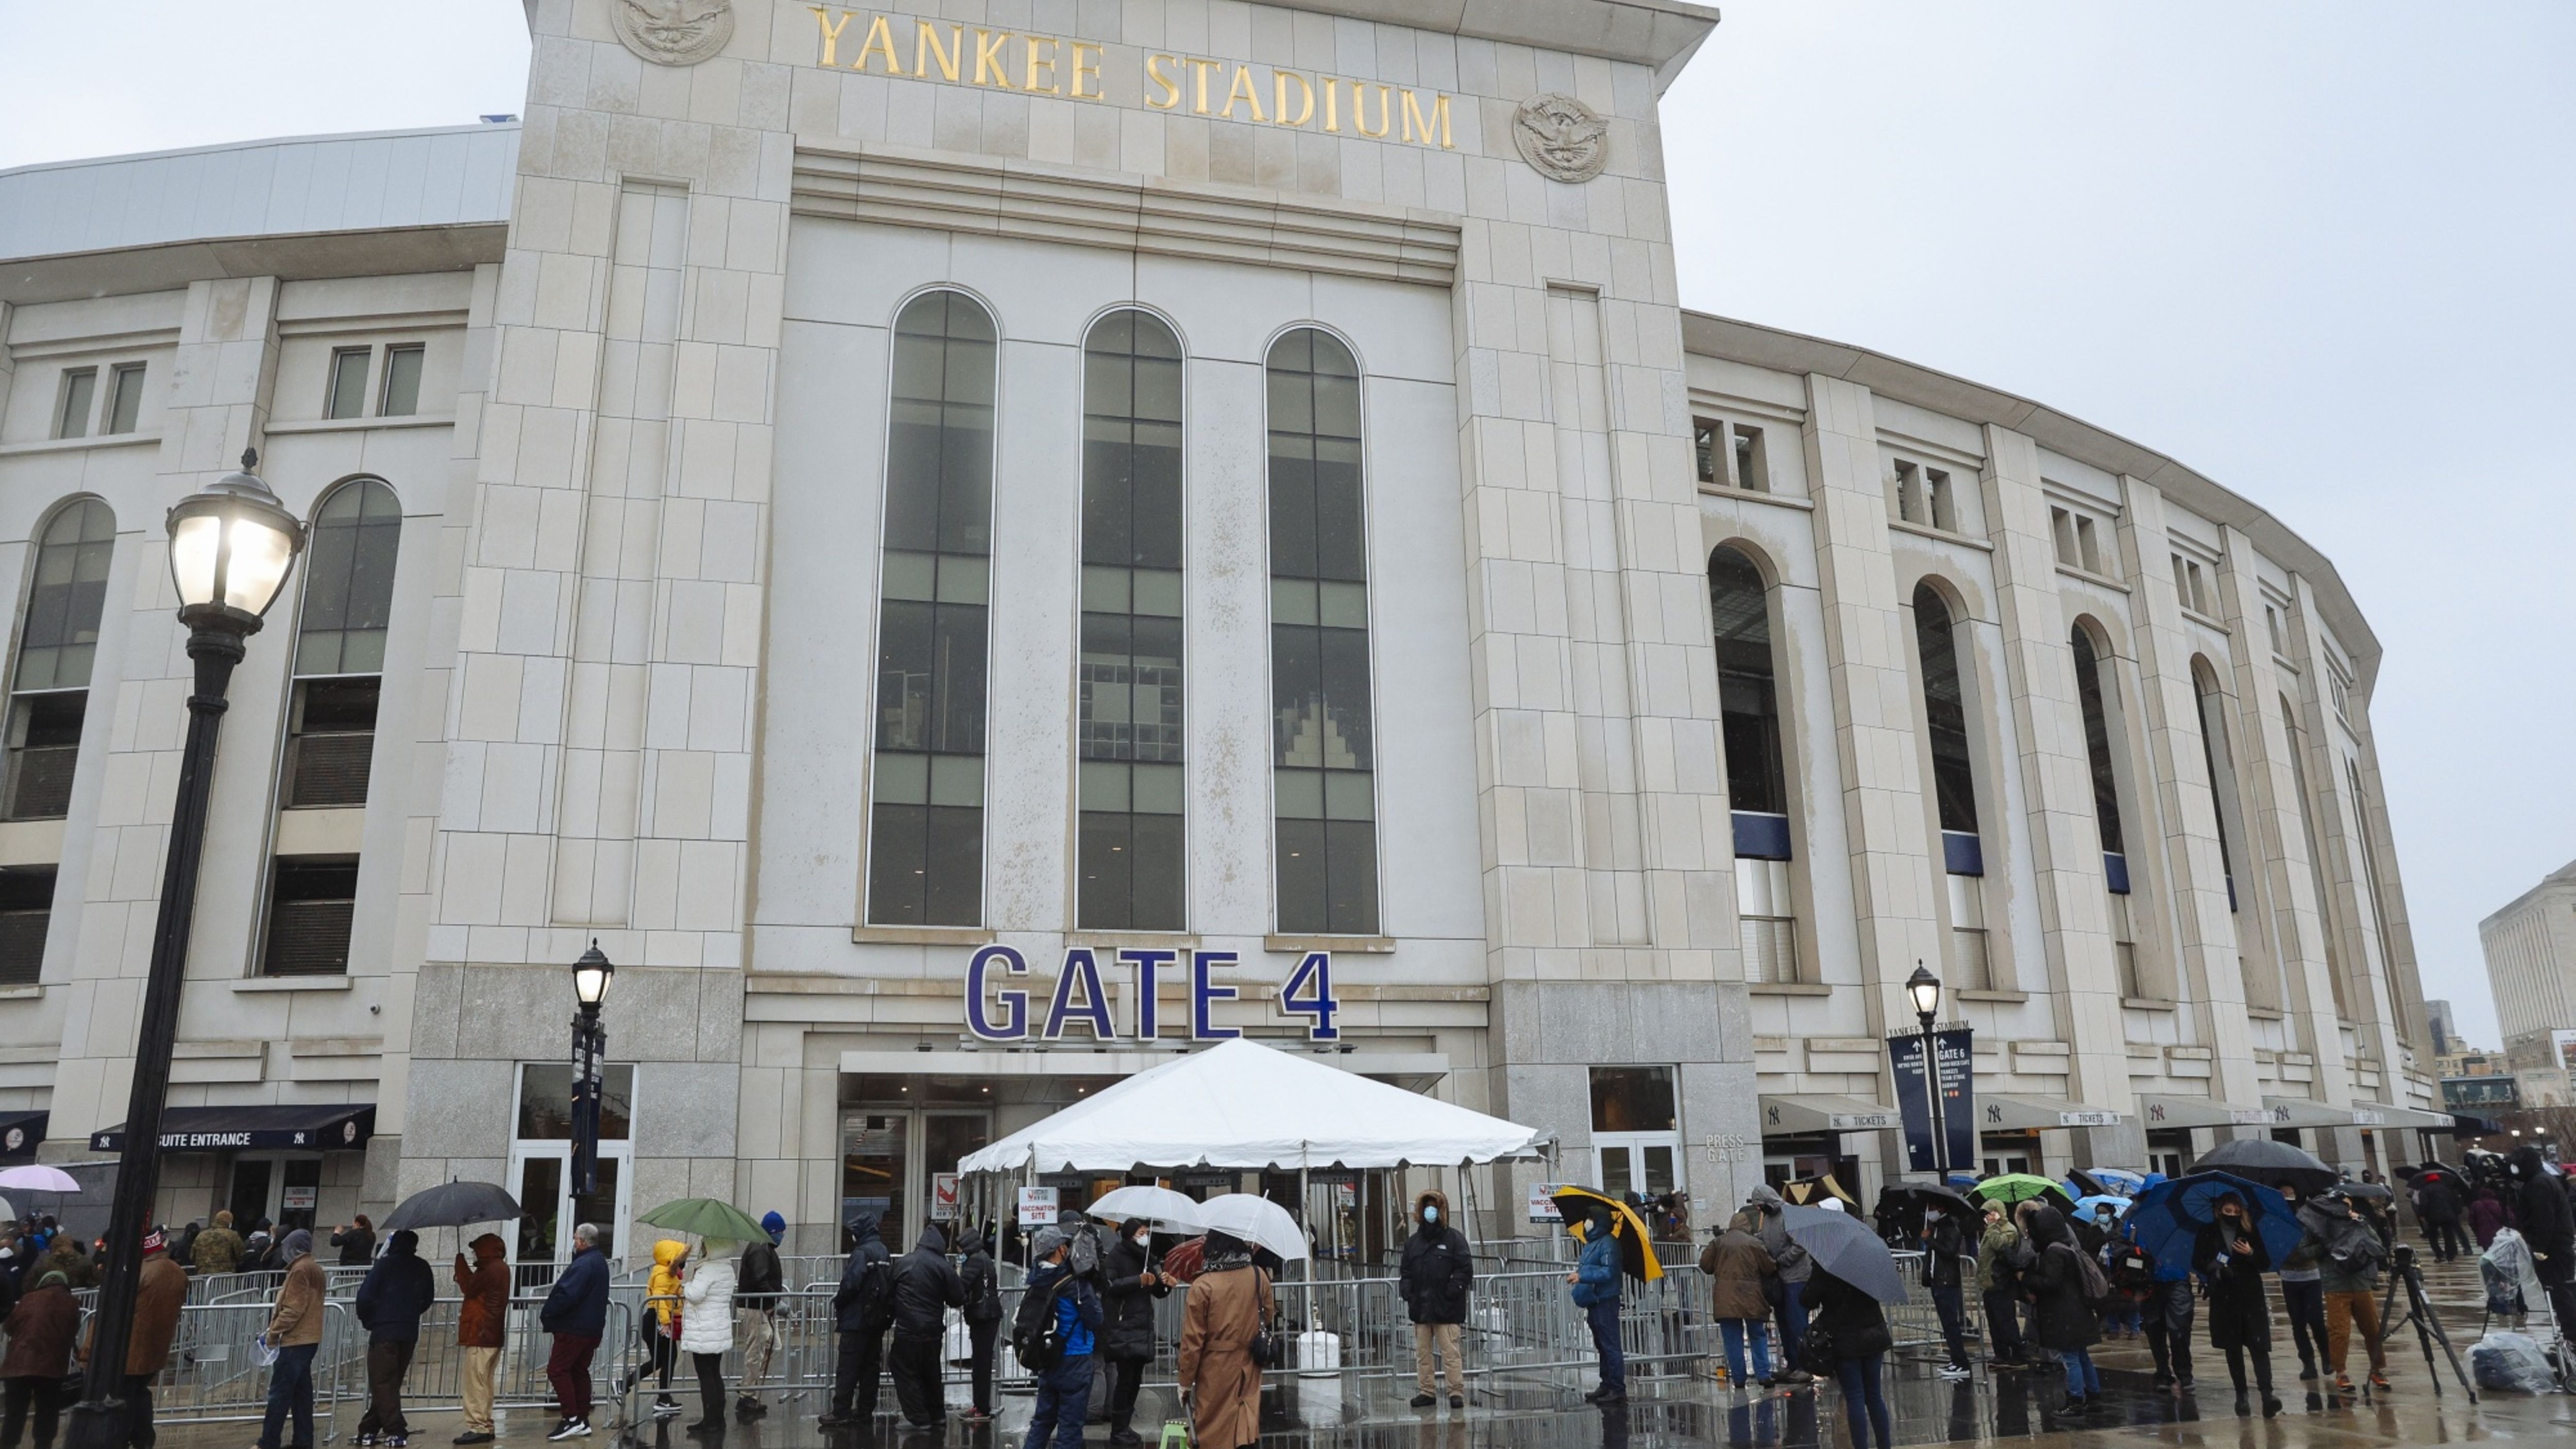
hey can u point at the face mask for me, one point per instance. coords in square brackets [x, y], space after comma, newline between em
[1431, 1215]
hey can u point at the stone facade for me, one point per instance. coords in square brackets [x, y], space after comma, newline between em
[625, 698]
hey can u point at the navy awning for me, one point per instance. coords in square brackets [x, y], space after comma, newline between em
[319, 1127]
[21, 1132]
[2470, 1124]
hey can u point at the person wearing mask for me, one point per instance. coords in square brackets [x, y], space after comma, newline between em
[2303, 1296]
[983, 1321]
[159, 1292]
[40, 1333]
[2229, 1254]
[1999, 1286]
[1064, 1391]
[259, 1252]
[1128, 1288]
[576, 1313]
[397, 1290]
[2548, 1227]
[481, 1321]
[356, 1241]
[2348, 1259]
[218, 1249]
[662, 1322]
[2061, 1321]
[295, 1331]
[1944, 1245]
[1857, 1328]
[862, 1307]
[1595, 1281]
[755, 1299]
[706, 1335]
[1794, 1266]
[925, 1288]
[1741, 1277]
[1220, 1384]
[1435, 1276]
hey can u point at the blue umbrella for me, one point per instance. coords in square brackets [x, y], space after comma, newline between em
[2087, 1205]
[2166, 1218]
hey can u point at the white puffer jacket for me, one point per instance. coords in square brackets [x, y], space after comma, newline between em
[706, 1307]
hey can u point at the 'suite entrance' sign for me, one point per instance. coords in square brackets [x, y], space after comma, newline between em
[1053, 65]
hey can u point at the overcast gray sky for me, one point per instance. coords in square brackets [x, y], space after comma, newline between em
[2319, 251]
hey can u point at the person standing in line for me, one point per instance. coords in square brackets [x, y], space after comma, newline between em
[1129, 1287]
[218, 1249]
[2437, 1211]
[1064, 1391]
[925, 1288]
[862, 1307]
[391, 1300]
[1857, 1328]
[481, 1321]
[295, 1331]
[2063, 1323]
[40, 1332]
[1740, 1276]
[2350, 1252]
[2303, 1296]
[576, 1313]
[1220, 1384]
[661, 1328]
[2168, 1311]
[183, 1248]
[1595, 1281]
[1999, 1286]
[1794, 1266]
[2230, 1255]
[755, 1300]
[1944, 1246]
[1437, 1274]
[983, 1320]
[2548, 1227]
[159, 1293]
[706, 1334]
[356, 1241]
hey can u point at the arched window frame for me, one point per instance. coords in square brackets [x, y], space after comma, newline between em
[925, 848]
[1131, 839]
[56, 653]
[1325, 874]
[2100, 704]
[1955, 779]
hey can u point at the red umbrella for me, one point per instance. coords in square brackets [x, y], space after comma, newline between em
[1187, 1260]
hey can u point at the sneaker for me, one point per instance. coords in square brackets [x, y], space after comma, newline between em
[473, 1436]
[835, 1421]
[1767, 1383]
[2378, 1380]
[1423, 1401]
[574, 1428]
[2164, 1380]
[2343, 1383]
[977, 1416]
[1612, 1399]
[706, 1429]
[2271, 1406]
[1125, 1438]
[395, 1441]
[1598, 1393]
[2244, 1410]
[666, 1408]
[1957, 1371]
[364, 1439]
[2307, 1373]
[2185, 1384]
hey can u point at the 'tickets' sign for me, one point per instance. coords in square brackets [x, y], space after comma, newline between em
[997, 1011]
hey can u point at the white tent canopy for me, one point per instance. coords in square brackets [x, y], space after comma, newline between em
[1240, 1104]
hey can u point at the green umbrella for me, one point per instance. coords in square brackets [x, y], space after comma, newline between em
[707, 1217]
[2013, 1187]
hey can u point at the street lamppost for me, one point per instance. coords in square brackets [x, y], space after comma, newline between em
[1925, 988]
[590, 977]
[232, 545]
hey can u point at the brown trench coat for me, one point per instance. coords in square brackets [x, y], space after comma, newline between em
[1225, 1309]
[158, 1296]
[1736, 1264]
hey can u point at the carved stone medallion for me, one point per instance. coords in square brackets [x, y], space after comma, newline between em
[673, 32]
[1561, 138]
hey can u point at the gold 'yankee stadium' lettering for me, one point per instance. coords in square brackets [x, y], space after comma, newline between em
[1052, 65]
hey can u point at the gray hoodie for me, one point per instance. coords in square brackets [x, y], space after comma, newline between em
[1793, 1261]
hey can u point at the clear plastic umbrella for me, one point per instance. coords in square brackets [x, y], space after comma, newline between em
[38, 1177]
[1255, 1220]
[1155, 1204]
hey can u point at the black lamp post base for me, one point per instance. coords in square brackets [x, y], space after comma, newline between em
[95, 1424]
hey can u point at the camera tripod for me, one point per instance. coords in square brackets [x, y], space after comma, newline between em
[2428, 1324]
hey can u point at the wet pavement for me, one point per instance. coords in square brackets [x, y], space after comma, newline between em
[1545, 1410]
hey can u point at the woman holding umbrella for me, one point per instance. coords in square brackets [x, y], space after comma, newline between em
[1854, 1325]
[2063, 1323]
[2230, 1255]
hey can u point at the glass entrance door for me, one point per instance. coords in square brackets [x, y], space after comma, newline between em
[1638, 1162]
[891, 1158]
[540, 1178]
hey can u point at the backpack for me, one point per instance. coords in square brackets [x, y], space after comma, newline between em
[1037, 1339]
[2090, 1284]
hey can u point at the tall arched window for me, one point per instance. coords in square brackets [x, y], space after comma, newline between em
[926, 835]
[1954, 787]
[1131, 854]
[2316, 859]
[331, 724]
[49, 690]
[1756, 781]
[2095, 697]
[2221, 763]
[1322, 750]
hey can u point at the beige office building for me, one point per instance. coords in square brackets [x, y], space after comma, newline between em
[943, 542]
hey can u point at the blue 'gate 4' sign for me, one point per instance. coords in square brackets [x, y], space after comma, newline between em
[1000, 1012]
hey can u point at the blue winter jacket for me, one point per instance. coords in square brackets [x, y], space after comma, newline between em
[1078, 1312]
[1596, 1273]
[578, 1305]
[396, 1292]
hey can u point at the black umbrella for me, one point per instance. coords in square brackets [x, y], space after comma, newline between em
[2087, 1185]
[2274, 1164]
[2364, 1189]
[1922, 1194]
[1844, 1246]
[453, 1205]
